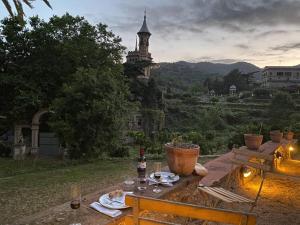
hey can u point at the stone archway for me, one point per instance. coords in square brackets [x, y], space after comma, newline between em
[35, 126]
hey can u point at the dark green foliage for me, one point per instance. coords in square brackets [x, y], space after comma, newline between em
[262, 93]
[72, 67]
[5, 149]
[235, 77]
[280, 109]
[139, 138]
[121, 151]
[232, 99]
[89, 113]
[214, 99]
[152, 96]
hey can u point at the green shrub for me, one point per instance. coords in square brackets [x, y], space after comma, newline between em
[122, 151]
[262, 93]
[214, 99]
[232, 99]
[5, 149]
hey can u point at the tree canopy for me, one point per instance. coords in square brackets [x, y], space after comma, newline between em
[51, 64]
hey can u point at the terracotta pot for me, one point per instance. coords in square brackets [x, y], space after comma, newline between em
[289, 135]
[253, 141]
[182, 161]
[276, 136]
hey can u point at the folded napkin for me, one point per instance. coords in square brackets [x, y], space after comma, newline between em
[152, 182]
[109, 212]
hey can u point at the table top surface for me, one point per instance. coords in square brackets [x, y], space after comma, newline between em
[91, 216]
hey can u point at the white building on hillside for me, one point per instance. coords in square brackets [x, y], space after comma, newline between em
[280, 76]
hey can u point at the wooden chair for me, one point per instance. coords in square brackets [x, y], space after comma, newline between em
[140, 204]
[243, 157]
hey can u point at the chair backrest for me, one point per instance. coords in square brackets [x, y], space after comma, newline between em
[139, 204]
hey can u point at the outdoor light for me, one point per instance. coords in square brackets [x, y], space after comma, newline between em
[246, 172]
[291, 148]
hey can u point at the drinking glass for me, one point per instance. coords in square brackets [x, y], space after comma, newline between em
[75, 195]
[128, 184]
[142, 184]
[157, 176]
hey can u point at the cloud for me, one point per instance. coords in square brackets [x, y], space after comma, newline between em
[287, 47]
[231, 15]
[242, 46]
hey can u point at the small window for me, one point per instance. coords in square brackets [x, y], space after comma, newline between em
[288, 74]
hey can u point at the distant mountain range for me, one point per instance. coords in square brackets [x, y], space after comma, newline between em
[183, 74]
[210, 68]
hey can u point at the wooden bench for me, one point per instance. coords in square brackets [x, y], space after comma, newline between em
[140, 204]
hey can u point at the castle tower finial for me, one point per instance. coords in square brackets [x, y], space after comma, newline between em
[144, 28]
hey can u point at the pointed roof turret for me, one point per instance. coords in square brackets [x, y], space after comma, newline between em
[144, 28]
[136, 43]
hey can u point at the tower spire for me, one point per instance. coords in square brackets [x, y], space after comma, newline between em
[144, 28]
[136, 43]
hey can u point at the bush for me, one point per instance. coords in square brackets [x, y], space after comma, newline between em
[194, 137]
[214, 99]
[281, 107]
[256, 113]
[122, 151]
[5, 149]
[232, 118]
[262, 93]
[155, 149]
[232, 99]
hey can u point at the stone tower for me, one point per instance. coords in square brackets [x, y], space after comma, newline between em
[144, 35]
[142, 53]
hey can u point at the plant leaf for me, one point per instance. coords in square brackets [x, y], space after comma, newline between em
[8, 7]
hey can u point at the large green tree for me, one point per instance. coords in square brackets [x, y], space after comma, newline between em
[40, 61]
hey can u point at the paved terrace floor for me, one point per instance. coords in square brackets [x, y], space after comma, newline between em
[277, 193]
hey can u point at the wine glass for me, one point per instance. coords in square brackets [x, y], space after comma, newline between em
[157, 176]
[75, 195]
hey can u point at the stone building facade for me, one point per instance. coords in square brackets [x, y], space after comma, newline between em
[280, 76]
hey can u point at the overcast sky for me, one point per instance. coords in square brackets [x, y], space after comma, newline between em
[262, 32]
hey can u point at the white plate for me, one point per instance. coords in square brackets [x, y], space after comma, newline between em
[165, 177]
[116, 203]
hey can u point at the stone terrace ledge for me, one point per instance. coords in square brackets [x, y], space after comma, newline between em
[218, 169]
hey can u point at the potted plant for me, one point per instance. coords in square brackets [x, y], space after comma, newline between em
[181, 156]
[288, 134]
[276, 136]
[253, 140]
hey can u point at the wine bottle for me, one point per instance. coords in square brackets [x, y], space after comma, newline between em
[141, 168]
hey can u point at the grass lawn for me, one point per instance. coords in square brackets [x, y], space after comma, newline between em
[31, 186]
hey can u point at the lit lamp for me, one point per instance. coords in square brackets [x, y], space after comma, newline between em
[246, 172]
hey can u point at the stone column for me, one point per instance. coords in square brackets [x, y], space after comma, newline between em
[35, 139]
[18, 152]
